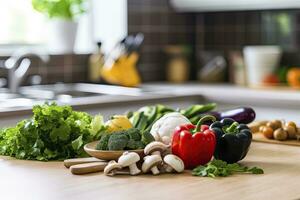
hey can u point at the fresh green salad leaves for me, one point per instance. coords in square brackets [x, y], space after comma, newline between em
[53, 133]
[220, 168]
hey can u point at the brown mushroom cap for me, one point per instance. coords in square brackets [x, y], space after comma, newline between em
[155, 146]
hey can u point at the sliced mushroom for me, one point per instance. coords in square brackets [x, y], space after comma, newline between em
[113, 168]
[173, 164]
[129, 159]
[155, 148]
[151, 163]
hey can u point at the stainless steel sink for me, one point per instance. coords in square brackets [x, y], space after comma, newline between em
[61, 93]
[72, 94]
[76, 90]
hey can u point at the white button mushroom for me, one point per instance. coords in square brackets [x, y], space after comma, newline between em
[163, 128]
[113, 168]
[173, 163]
[151, 163]
[129, 159]
[155, 148]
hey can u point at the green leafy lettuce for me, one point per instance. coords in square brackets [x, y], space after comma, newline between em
[53, 133]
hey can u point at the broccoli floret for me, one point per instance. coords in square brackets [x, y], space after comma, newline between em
[103, 143]
[147, 137]
[131, 145]
[117, 142]
[139, 145]
[134, 134]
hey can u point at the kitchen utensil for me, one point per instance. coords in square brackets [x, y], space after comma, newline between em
[90, 149]
[120, 65]
[88, 168]
[261, 61]
[75, 161]
[213, 70]
[212, 66]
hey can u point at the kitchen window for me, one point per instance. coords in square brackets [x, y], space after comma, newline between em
[106, 21]
[20, 24]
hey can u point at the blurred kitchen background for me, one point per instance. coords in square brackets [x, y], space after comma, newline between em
[194, 40]
[175, 52]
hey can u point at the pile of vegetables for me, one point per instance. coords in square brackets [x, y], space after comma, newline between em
[58, 132]
[145, 117]
[277, 129]
[129, 139]
[53, 133]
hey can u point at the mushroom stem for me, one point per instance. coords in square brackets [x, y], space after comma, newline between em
[134, 170]
[154, 170]
[168, 168]
[156, 153]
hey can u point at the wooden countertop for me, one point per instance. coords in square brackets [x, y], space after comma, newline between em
[51, 180]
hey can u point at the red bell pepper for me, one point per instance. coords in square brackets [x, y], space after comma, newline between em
[195, 145]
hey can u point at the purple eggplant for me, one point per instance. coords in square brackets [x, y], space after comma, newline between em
[243, 115]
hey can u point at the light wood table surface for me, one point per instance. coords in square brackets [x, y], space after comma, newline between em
[30, 180]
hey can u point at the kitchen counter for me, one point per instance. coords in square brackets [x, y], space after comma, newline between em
[228, 93]
[51, 180]
[220, 93]
[269, 104]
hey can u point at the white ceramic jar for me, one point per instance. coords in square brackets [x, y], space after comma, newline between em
[260, 62]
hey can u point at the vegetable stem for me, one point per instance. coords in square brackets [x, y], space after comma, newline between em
[204, 119]
[232, 128]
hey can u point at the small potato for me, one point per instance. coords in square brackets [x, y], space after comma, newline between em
[291, 131]
[290, 123]
[268, 132]
[261, 128]
[298, 134]
[274, 124]
[254, 127]
[280, 134]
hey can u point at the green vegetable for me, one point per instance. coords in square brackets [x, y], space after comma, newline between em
[131, 144]
[145, 117]
[147, 137]
[129, 139]
[133, 134]
[53, 133]
[143, 122]
[135, 145]
[196, 109]
[117, 141]
[217, 168]
[103, 142]
[65, 9]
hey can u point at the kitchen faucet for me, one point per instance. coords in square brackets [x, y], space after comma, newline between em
[18, 65]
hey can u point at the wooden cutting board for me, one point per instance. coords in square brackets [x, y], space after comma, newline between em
[258, 137]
